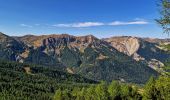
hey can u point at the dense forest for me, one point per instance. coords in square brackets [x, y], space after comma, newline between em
[153, 90]
[34, 82]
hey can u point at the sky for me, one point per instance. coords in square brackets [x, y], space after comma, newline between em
[101, 18]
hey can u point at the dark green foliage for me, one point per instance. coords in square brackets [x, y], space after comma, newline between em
[58, 95]
[164, 20]
[153, 90]
[70, 58]
[167, 47]
[89, 56]
[163, 87]
[167, 67]
[150, 90]
[149, 51]
[96, 60]
[157, 89]
[39, 84]
[90, 93]
[41, 58]
[167, 62]
[114, 90]
[115, 66]
[102, 91]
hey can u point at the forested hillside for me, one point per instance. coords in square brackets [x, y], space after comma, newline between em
[88, 56]
[33, 82]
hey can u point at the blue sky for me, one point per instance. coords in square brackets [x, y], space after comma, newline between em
[102, 18]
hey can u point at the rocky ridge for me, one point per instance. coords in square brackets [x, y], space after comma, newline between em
[98, 59]
[131, 46]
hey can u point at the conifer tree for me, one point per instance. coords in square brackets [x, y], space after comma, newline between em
[101, 91]
[150, 90]
[114, 90]
[58, 95]
[164, 19]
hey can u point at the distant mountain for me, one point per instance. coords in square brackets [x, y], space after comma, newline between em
[128, 59]
[142, 49]
[10, 48]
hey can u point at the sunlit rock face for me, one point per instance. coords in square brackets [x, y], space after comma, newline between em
[141, 49]
[59, 40]
[108, 59]
[127, 45]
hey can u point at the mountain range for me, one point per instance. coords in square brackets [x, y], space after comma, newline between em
[124, 58]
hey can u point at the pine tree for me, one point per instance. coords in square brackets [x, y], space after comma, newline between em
[90, 93]
[65, 95]
[114, 90]
[164, 20]
[58, 95]
[150, 90]
[101, 91]
[163, 85]
[125, 93]
[75, 92]
[81, 94]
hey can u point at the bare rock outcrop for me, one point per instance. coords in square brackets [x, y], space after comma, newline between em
[156, 65]
[127, 45]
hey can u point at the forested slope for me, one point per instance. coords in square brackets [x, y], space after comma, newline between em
[26, 81]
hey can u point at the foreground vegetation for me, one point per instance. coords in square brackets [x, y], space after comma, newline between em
[153, 90]
[167, 63]
[32, 82]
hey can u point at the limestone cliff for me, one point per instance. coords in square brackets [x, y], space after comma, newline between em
[127, 45]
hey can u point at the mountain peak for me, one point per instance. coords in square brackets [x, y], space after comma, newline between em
[92, 37]
[56, 36]
[5, 38]
[88, 38]
[2, 34]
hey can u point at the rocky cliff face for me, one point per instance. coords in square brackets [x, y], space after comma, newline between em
[10, 48]
[141, 49]
[117, 58]
[58, 40]
[55, 44]
[127, 45]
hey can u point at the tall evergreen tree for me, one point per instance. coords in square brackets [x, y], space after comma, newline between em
[101, 91]
[58, 95]
[164, 20]
[114, 90]
[163, 85]
[125, 93]
[150, 90]
[90, 93]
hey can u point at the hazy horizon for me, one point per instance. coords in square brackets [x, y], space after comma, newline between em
[77, 35]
